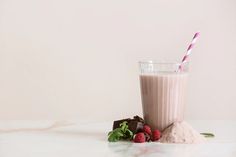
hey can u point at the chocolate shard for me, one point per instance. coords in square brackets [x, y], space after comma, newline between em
[139, 119]
[135, 125]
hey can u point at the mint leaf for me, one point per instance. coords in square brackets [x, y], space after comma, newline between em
[115, 135]
[113, 138]
[130, 134]
[208, 135]
[121, 133]
[123, 126]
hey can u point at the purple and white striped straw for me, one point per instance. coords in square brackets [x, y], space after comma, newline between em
[190, 47]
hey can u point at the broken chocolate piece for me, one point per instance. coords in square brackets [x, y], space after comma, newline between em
[116, 124]
[135, 125]
[139, 119]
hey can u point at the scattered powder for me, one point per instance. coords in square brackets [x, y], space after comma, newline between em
[181, 132]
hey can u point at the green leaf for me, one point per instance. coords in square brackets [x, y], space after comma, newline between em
[109, 133]
[130, 134]
[123, 125]
[115, 135]
[120, 133]
[113, 138]
[117, 129]
[125, 128]
[210, 135]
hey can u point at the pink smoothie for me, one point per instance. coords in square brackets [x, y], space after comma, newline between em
[163, 98]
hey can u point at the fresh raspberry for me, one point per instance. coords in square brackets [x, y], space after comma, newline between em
[139, 137]
[156, 135]
[147, 129]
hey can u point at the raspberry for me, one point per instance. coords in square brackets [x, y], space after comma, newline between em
[156, 135]
[147, 129]
[139, 138]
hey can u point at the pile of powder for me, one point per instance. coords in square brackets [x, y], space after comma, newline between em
[181, 132]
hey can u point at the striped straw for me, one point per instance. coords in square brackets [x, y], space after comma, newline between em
[190, 47]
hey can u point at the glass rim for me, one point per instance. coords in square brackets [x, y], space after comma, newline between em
[156, 62]
[160, 62]
[153, 66]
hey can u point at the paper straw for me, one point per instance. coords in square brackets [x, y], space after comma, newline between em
[190, 47]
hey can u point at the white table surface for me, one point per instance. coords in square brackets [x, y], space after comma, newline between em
[63, 139]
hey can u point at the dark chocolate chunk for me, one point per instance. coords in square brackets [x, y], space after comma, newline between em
[135, 125]
[116, 124]
[139, 119]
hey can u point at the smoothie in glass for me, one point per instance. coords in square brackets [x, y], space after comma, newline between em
[163, 92]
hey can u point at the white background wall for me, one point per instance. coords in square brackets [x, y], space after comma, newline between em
[77, 59]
